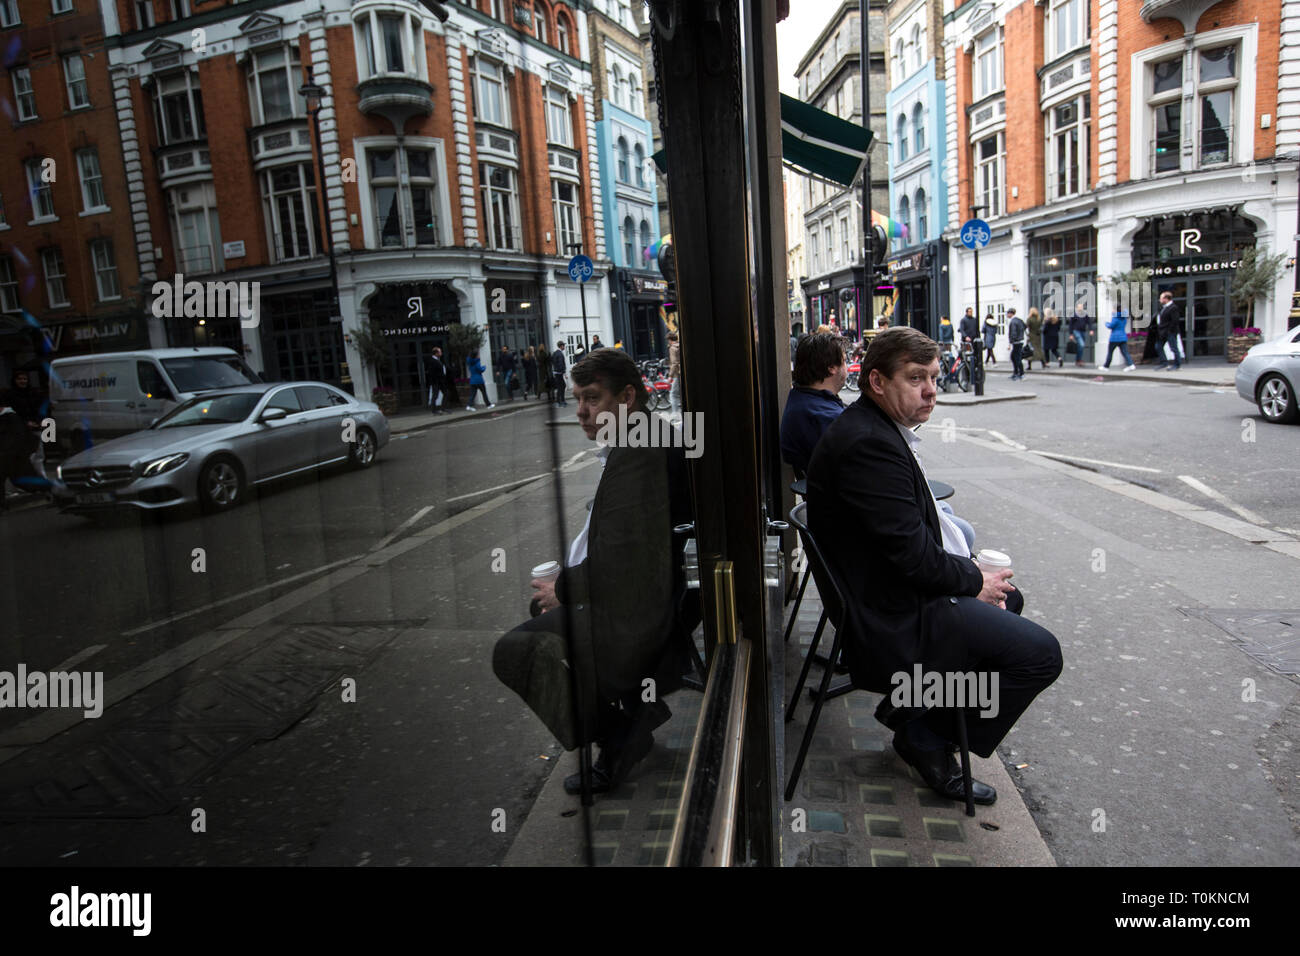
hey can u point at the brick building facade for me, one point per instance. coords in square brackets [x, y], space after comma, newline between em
[457, 161]
[1162, 135]
[69, 279]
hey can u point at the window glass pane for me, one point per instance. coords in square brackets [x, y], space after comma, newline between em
[422, 210]
[1216, 126]
[389, 220]
[276, 104]
[1168, 75]
[1168, 135]
[383, 163]
[418, 162]
[392, 30]
[1220, 64]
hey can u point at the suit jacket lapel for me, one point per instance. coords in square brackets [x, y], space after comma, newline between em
[922, 486]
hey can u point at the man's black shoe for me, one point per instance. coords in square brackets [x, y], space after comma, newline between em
[941, 772]
[609, 770]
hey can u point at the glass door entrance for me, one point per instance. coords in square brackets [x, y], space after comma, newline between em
[406, 366]
[1208, 314]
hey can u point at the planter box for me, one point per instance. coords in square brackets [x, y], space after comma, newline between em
[1239, 345]
[387, 402]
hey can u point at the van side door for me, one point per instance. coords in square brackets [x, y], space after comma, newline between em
[156, 395]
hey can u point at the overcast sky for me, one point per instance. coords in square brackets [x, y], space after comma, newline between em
[796, 33]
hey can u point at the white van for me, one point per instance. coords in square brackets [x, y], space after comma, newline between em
[96, 397]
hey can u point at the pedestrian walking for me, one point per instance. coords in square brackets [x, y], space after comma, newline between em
[476, 384]
[1169, 322]
[507, 368]
[945, 332]
[1035, 324]
[1052, 338]
[1118, 326]
[557, 374]
[990, 339]
[1017, 333]
[543, 371]
[969, 328]
[1080, 331]
[529, 363]
[435, 376]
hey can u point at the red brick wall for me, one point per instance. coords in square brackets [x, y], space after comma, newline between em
[1136, 35]
[1022, 55]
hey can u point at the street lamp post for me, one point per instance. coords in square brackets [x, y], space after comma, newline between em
[313, 93]
[977, 358]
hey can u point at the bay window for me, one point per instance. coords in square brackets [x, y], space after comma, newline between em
[1067, 26]
[273, 80]
[564, 194]
[178, 109]
[390, 43]
[988, 63]
[490, 101]
[500, 205]
[289, 202]
[559, 123]
[990, 173]
[1068, 147]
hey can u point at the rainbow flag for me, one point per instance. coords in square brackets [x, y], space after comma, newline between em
[893, 229]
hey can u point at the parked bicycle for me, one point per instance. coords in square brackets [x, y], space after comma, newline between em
[955, 367]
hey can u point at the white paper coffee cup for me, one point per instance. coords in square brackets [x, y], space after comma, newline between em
[548, 571]
[992, 561]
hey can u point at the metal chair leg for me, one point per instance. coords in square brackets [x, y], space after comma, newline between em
[965, 762]
[798, 602]
[807, 663]
[812, 721]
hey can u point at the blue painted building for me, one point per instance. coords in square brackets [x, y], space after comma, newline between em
[629, 197]
[918, 192]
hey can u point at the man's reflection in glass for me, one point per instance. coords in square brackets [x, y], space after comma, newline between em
[619, 592]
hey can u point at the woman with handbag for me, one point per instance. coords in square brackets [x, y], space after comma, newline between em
[990, 339]
[543, 372]
[1052, 338]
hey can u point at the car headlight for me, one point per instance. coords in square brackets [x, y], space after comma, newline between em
[160, 465]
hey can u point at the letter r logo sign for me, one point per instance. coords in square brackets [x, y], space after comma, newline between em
[1189, 239]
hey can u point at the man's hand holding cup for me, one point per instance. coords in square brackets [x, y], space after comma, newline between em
[543, 585]
[996, 568]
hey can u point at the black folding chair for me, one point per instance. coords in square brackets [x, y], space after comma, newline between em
[834, 609]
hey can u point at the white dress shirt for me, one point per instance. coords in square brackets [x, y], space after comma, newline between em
[954, 542]
[578, 549]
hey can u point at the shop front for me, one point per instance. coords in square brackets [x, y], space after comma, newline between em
[837, 299]
[412, 317]
[920, 287]
[117, 333]
[299, 341]
[1195, 256]
[1063, 273]
[646, 334]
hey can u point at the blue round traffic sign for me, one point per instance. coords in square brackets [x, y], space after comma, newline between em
[580, 268]
[975, 233]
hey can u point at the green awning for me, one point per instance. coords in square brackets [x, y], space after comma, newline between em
[820, 143]
[815, 141]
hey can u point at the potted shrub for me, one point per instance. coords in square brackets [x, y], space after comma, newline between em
[1240, 341]
[1256, 276]
[369, 341]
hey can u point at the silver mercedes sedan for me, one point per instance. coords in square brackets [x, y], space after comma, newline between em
[1269, 376]
[212, 448]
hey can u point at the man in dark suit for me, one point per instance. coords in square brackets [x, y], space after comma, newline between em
[620, 597]
[968, 330]
[914, 597]
[557, 373]
[1169, 322]
[435, 375]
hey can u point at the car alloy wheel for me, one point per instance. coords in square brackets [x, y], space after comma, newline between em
[1276, 399]
[363, 449]
[220, 485]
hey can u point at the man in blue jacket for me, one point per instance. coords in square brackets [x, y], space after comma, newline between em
[814, 402]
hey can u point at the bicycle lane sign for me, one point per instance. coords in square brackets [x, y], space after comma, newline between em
[975, 234]
[580, 268]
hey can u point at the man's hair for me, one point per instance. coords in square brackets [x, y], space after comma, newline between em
[892, 348]
[814, 356]
[559, 345]
[613, 370]
[1011, 311]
